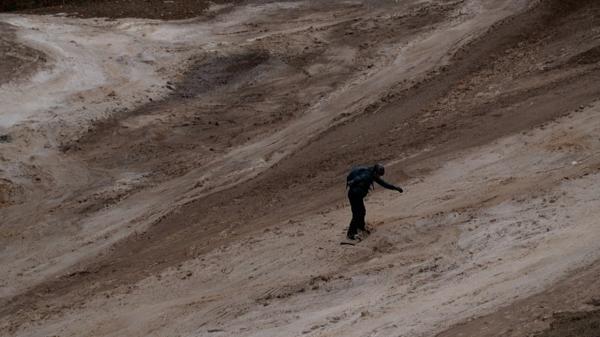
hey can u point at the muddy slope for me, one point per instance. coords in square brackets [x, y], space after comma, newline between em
[459, 112]
[206, 113]
[295, 173]
[522, 73]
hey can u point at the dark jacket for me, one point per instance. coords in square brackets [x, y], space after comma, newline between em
[363, 179]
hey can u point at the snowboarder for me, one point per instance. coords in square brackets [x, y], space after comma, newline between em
[359, 182]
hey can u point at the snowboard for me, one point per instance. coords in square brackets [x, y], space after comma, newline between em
[361, 236]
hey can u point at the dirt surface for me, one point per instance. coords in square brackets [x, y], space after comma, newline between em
[584, 324]
[17, 59]
[186, 178]
[568, 308]
[150, 9]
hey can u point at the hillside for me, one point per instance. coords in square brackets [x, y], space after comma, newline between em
[178, 168]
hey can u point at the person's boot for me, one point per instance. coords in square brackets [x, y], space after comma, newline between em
[353, 237]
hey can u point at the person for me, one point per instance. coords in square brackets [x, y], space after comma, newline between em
[359, 182]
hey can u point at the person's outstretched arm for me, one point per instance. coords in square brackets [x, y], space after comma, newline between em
[387, 185]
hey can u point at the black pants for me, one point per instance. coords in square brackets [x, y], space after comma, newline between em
[357, 204]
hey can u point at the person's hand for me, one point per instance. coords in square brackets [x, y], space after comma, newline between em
[399, 189]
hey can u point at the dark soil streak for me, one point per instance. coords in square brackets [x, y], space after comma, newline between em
[151, 9]
[18, 60]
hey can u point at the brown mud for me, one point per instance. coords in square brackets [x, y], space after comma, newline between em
[113, 9]
[17, 60]
[521, 73]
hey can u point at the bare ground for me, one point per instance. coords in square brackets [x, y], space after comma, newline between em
[17, 59]
[190, 183]
[112, 9]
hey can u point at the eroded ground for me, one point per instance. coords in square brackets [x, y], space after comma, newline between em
[185, 178]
